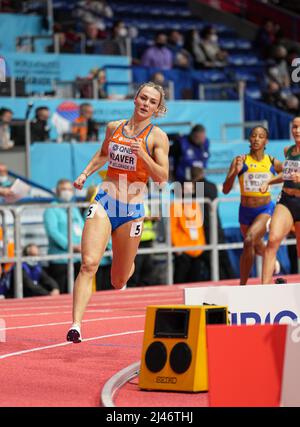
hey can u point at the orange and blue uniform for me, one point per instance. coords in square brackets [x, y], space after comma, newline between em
[253, 174]
[123, 162]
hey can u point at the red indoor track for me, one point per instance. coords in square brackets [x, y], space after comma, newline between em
[39, 368]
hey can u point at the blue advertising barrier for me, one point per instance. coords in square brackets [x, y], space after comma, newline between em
[212, 114]
[40, 70]
[13, 25]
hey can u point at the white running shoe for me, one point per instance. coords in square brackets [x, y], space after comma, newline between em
[74, 334]
[277, 267]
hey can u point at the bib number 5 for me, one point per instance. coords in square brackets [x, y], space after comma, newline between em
[136, 229]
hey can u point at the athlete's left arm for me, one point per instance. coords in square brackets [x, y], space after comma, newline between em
[277, 165]
[158, 165]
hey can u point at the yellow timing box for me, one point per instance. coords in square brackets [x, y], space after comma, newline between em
[174, 355]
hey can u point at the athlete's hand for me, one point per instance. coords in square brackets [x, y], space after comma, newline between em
[79, 181]
[264, 187]
[136, 148]
[239, 161]
[295, 177]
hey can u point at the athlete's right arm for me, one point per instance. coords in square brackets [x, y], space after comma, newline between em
[235, 167]
[99, 159]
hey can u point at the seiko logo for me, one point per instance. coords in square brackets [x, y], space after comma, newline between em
[166, 380]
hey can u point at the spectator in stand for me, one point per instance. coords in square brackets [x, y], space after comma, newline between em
[86, 84]
[36, 281]
[56, 225]
[159, 79]
[94, 12]
[193, 46]
[93, 39]
[118, 37]
[65, 45]
[273, 95]
[39, 126]
[292, 105]
[6, 116]
[188, 151]
[267, 36]
[278, 70]
[84, 127]
[159, 55]
[182, 59]
[211, 48]
[210, 191]
[5, 182]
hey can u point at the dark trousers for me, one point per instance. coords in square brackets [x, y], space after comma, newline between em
[189, 269]
[59, 272]
[144, 273]
[103, 278]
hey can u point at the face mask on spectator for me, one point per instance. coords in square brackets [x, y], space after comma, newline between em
[123, 32]
[66, 195]
[214, 38]
[32, 263]
[3, 179]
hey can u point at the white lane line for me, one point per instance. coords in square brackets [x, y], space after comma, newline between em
[68, 323]
[116, 307]
[94, 298]
[31, 350]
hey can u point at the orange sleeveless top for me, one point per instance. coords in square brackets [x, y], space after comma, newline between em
[122, 161]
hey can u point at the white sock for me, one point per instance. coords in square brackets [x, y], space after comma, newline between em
[76, 326]
[124, 287]
[277, 267]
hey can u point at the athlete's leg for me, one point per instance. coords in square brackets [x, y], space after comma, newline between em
[95, 238]
[281, 225]
[125, 243]
[252, 237]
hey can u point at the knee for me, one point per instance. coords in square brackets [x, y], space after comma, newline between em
[249, 241]
[274, 240]
[89, 265]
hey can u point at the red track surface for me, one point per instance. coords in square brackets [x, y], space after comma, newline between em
[39, 368]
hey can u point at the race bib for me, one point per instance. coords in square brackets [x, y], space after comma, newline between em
[253, 181]
[289, 167]
[121, 157]
[136, 228]
[92, 210]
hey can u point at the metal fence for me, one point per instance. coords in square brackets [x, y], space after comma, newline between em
[166, 248]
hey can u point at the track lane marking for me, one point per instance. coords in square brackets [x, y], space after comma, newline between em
[31, 350]
[67, 323]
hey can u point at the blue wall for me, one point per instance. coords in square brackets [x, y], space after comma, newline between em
[212, 114]
[14, 25]
[40, 70]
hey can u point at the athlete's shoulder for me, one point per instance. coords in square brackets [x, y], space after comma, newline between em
[287, 148]
[112, 126]
[159, 134]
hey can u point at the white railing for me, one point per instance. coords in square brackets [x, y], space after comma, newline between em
[214, 247]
